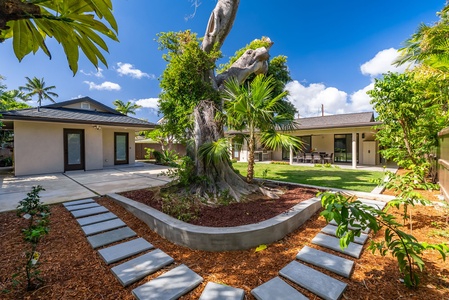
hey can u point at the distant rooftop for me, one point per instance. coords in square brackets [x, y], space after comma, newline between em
[338, 121]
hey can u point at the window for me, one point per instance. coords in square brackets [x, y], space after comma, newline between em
[85, 105]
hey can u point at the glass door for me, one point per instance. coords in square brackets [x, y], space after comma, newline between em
[73, 149]
[121, 148]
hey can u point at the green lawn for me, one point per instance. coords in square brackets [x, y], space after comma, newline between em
[347, 179]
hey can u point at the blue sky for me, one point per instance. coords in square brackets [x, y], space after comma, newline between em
[335, 49]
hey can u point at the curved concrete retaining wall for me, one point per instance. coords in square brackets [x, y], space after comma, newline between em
[221, 238]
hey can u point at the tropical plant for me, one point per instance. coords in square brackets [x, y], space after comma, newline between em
[75, 24]
[352, 217]
[253, 108]
[126, 108]
[38, 87]
[14, 99]
[38, 216]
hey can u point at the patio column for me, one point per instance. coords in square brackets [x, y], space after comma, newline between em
[354, 150]
[291, 156]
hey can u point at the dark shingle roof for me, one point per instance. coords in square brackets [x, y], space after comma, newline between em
[336, 121]
[58, 113]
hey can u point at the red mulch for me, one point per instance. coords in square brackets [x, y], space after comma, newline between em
[71, 269]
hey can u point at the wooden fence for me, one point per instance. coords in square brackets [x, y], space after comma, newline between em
[443, 162]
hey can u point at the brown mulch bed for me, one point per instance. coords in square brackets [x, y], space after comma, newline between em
[73, 270]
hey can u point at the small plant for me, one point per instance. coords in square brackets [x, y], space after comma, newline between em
[38, 216]
[275, 162]
[183, 208]
[265, 173]
[184, 173]
[166, 157]
[348, 212]
[405, 186]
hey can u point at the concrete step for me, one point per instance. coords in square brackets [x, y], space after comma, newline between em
[366, 231]
[333, 243]
[330, 262]
[96, 219]
[77, 202]
[373, 203]
[82, 206]
[124, 250]
[169, 286]
[89, 211]
[110, 237]
[139, 267]
[318, 283]
[277, 289]
[102, 226]
[332, 230]
[215, 291]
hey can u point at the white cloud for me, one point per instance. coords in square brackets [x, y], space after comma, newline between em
[150, 103]
[98, 74]
[308, 99]
[126, 69]
[382, 63]
[105, 86]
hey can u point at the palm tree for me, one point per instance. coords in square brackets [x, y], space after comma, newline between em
[126, 108]
[254, 109]
[428, 45]
[13, 99]
[37, 87]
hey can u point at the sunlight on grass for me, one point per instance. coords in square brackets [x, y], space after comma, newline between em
[348, 179]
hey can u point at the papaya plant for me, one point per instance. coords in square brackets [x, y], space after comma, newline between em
[352, 217]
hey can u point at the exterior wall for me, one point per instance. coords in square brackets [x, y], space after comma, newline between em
[39, 147]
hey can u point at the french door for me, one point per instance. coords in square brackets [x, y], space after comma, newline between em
[74, 149]
[121, 152]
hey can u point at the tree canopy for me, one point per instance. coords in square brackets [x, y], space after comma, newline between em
[75, 24]
[126, 108]
[37, 87]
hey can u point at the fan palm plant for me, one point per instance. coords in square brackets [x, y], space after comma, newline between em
[253, 109]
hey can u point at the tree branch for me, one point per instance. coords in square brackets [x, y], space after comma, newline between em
[13, 10]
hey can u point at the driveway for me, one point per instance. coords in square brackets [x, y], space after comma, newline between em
[61, 187]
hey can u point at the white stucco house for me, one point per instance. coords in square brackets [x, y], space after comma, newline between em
[79, 134]
[343, 138]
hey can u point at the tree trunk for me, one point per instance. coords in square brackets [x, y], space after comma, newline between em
[220, 176]
[251, 149]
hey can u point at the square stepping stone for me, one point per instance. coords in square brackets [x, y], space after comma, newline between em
[330, 262]
[96, 219]
[318, 283]
[110, 237]
[124, 250]
[102, 226]
[82, 206]
[141, 266]
[169, 286]
[89, 211]
[215, 291]
[277, 289]
[332, 230]
[77, 202]
[333, 243]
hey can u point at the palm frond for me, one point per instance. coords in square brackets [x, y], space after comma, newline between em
[215, 152]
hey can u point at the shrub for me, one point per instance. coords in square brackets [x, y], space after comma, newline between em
[166, 157]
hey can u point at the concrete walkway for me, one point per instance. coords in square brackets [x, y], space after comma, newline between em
[73, 185]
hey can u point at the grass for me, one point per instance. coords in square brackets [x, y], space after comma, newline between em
[348, 179]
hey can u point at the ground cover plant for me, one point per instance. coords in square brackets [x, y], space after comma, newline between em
[332, 177]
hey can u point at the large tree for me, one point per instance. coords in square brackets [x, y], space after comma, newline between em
[75, 24]
[190, 83]
[37, 87]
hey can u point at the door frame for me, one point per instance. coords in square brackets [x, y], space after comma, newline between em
[82, 164]
[121, 162]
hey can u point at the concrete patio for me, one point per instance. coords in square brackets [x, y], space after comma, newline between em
[62, 187]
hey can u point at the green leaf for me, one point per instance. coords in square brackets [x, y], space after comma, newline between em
[261, 248]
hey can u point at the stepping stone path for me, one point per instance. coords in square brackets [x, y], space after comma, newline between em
[311, 279]
[215, 291]
[103, 228]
